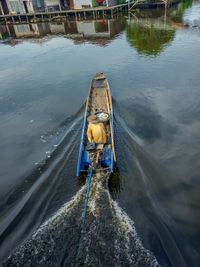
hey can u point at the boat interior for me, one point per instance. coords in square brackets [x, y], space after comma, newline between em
[98, 103]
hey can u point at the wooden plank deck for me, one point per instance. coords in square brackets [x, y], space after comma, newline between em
[96, 12]
[67, 13]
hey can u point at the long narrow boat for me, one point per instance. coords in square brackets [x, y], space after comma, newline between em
[99, 103]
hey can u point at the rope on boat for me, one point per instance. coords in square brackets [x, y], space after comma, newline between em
[84, 218]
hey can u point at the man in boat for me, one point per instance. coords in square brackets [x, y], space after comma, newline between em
[96, 131]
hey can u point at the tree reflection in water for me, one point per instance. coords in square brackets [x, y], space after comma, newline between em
[177, 16]
[149, 35]
[149, 39]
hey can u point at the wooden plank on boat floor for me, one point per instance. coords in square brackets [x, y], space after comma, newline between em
[98, 100]
[104, 99]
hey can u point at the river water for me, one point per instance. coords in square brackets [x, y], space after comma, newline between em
[147, 212]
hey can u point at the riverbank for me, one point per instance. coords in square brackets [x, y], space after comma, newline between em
[95, 12]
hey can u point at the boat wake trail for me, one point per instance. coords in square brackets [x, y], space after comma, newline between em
[45, 188]
[110, 237]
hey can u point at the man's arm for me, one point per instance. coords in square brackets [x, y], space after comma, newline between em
[89, 133]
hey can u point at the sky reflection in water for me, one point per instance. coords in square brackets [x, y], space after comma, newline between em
[152, 62]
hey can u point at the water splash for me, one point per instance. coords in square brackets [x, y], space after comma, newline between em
[110, 236]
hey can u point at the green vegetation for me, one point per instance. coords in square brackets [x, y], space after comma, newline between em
[148, 40]
[178, 15]
[95, 3]
[121, 2]
[136, 11]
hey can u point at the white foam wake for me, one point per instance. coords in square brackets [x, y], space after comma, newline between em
[110, 237]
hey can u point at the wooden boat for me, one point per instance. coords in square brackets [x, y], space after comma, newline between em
[99, 103]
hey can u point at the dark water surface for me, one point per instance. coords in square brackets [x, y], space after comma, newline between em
[146, 214]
